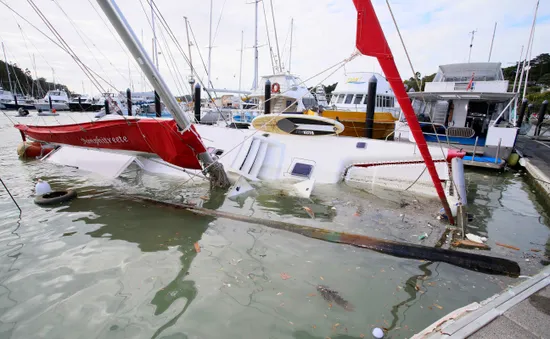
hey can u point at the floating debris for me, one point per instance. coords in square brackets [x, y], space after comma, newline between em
[333, 296]
[309, 212]
[285, 276]
[507, 246]
[197, 247]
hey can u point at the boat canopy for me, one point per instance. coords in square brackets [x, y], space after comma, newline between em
[358, 83]
[483, 71]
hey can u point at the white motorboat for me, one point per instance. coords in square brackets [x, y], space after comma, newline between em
[55, 99]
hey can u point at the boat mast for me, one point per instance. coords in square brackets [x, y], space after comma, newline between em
[7, 68]
[241, 62]
[276, 38]
[492, 41]
[208, 83]
[530, 49]
[517, 69]
[471, 43]
[191, 78]
[290, 53]
[113, 13]
[155, 54]
[255, 80]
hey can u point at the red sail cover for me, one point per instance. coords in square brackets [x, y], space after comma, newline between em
[135, 135]
[370, 40]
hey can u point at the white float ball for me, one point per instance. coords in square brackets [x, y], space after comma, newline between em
[378, 333]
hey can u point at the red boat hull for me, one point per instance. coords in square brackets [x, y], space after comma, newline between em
[143, 135]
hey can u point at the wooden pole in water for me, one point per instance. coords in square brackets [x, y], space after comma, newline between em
[471, 261]
[540, 117]
[158, 112]
[524, 104]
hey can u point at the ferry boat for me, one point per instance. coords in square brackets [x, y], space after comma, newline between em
[348, 105]
[467, 106]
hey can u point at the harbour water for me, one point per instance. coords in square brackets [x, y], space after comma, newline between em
[107, 266]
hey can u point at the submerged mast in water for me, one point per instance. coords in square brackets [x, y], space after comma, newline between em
[117, 19]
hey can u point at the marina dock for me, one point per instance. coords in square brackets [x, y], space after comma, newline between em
[535, 156]
[522, 311]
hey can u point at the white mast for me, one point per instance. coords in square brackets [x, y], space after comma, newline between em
[208, 83]
[155, 54]
[492, 41]
[276, 38]
[241, 63]
[471, 44]
[517, 70]
[290, 53]
[7, 68]
[191, 78]
[530, 49]
[255, 80]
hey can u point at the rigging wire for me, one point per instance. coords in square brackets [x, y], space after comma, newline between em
[423, 98]
[74, 57]
[164, 40]
[271, 55]
[116, 38]
[180, 49]
[83, 35]
[219, 20]
[11, 196]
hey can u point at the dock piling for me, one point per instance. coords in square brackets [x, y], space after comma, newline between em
[107, 108]
[267, 97]
[522, 110]
[371, 103]
[50, 102]
[197, 102]
[157, 105]
[15, 100]
[540, 117]
[129, 101]
[80, 103]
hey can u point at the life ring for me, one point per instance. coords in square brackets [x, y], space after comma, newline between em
[55, 197]
[275, 88]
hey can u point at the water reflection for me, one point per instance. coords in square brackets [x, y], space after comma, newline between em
[154, 231]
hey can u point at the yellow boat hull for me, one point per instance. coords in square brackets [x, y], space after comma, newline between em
[354, 123]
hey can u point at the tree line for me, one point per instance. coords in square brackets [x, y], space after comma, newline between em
[22, 81]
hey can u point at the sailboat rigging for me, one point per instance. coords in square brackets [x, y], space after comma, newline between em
[260, 156]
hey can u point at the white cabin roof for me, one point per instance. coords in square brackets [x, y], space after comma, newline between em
[483, 71]
[358, 83]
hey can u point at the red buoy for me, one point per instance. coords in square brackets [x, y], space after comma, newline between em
[34, 149]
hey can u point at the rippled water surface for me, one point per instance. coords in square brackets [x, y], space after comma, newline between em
[107, 266]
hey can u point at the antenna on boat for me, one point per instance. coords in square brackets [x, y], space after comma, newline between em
[218, 177]
[7, 68]
[492, 41]
[471, 43]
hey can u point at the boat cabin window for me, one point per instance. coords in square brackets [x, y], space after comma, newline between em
[341, 98]
[302, 170]
[349, 98]
[358, 99]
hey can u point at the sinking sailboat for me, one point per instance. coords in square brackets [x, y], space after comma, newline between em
[178, 146]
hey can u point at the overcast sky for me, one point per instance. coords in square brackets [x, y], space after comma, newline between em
[435, 32]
